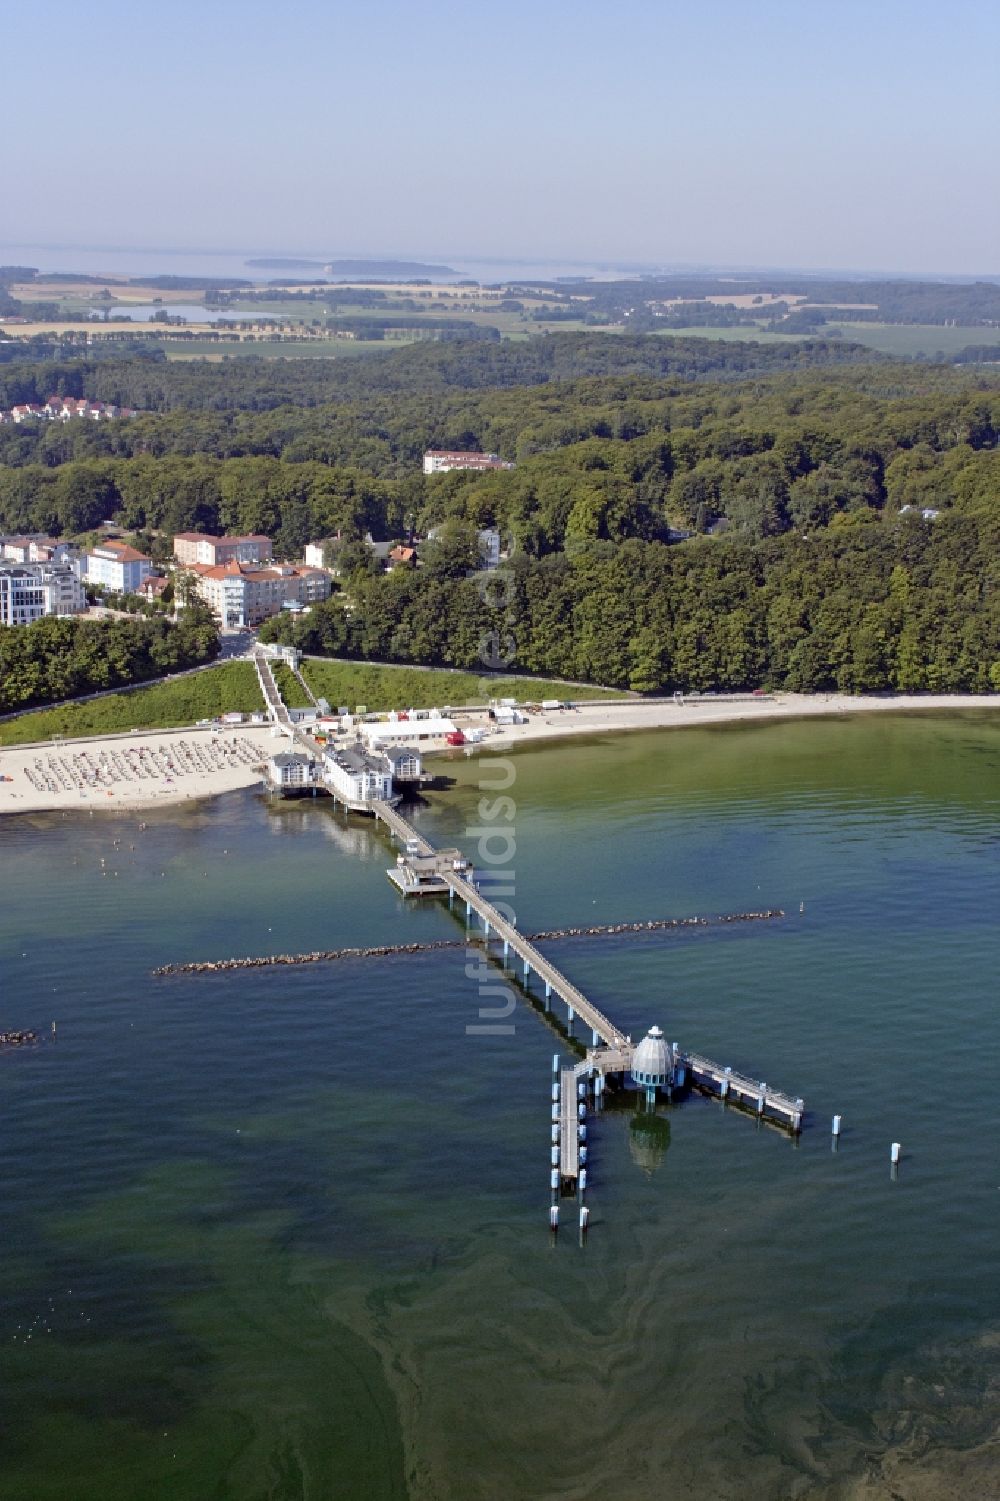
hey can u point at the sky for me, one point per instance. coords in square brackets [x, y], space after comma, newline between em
[719, 132]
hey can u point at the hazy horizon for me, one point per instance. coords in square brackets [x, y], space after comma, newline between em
[455, 259]
[839, 141]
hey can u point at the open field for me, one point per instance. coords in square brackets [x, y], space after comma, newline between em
[508, 322]
[918, 338]
[906, 339]
[176, 701]
[380, 688]
[291, 349]
[74, 300]
[94, 329]
[728, 335]
[471, 304]
[88, 292]
[208, 347]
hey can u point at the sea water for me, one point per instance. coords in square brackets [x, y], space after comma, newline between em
[282, 1233]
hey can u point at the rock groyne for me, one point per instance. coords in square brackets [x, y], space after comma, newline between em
[397, 950]
[18, 1039]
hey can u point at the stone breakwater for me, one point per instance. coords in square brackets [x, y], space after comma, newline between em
[395, 950]
[18, 1039]
[656, 925]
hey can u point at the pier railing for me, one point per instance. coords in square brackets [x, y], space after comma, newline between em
[497, 925]
[617, 1050]
[752, 1094]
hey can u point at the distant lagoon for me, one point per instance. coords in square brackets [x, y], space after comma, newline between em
[119, 261]
[194, 312]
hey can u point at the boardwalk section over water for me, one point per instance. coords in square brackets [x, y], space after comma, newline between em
[425, 870]
[498, 926]
[569, 1130]
[612, 1051]
[553, 979]
[751, 1094]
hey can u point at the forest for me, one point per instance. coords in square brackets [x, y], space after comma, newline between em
[153, 383]
[58, 658]
[908, 608]
[719, 515]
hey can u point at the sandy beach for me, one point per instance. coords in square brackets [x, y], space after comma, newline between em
[145, 770]
[156, 768]
[590, 719]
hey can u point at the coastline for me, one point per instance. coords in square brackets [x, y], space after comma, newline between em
[697, 712]
[20, 796]
[118, 794]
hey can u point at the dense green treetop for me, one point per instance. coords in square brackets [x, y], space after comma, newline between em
[422, 368]
[607, 459]
[802, 482]
[58, 658]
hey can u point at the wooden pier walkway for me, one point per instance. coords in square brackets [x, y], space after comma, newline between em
[497, 926]
[612, 1049]
[278, 711]
[569, 1133]
[752, 1094]
[553, 979]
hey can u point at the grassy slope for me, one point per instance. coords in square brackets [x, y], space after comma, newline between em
[353, 683]
[233, 685]
[184, 700]
[289, 687]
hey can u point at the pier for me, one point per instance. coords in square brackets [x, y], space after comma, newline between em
[612, 1053]
[569, 1129]
[496, 926]
[752, 1094]
[653, 1064]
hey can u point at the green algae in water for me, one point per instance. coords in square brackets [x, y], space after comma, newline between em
[288, 1232]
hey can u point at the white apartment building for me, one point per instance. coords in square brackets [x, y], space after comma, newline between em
[239, 594]
[212, 552]
[355, 776]
[36, 549]
[30, 590]
[441, 460]
[116, 566]
[315, 553]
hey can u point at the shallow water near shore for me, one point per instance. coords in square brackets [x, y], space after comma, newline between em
[282, 1233]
